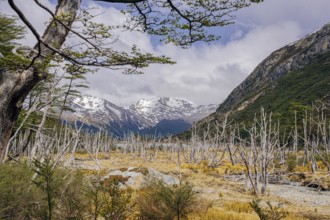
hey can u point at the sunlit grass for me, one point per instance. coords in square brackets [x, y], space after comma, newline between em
[227, 198]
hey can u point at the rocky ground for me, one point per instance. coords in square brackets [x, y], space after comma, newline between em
[301, 195]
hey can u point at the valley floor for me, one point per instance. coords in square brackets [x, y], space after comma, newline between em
[223, 193]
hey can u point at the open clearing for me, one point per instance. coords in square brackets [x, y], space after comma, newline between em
[219, 190]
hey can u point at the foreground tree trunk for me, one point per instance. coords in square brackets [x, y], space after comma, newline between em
[15, 86]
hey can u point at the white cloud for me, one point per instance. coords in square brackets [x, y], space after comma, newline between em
[203, 73]
[310, 15]
[208, 73]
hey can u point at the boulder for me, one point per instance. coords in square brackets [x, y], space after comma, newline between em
[136, 178]
[167, 179]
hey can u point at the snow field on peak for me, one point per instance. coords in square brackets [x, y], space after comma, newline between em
[144, 114]
[90, 102]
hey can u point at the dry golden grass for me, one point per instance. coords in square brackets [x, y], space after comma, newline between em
[219, 213]
[225, 168]
[228, 199]
[302, 169]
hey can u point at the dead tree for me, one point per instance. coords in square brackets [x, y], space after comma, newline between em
[188, 21]
[268, 141]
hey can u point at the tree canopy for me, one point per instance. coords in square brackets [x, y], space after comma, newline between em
[179, 22]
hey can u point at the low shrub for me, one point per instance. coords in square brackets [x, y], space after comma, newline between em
[45, 192]
[165, 202]
[108, 200]
[62, 191]
[19, 198]
[291, 163]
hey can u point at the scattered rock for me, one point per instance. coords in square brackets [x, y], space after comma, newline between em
[301, 195]
[142, 170]
[170, 180]
[136, 177]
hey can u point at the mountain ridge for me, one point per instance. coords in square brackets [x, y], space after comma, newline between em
[147, 116]
[280, 62]
[283, 82]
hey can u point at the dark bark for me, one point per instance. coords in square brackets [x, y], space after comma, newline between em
[15, 86]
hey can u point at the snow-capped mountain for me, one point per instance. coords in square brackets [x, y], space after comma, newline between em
[168, 108]
[171, 114]
[96, 110]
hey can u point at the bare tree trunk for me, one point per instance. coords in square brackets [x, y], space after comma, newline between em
[295, 137]
[230, 146]
[306, 143]
[247, 160]
[15, 86]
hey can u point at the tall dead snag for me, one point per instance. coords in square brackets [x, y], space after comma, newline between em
[268, 142]
[247, 156]
[258, 151]
[320, 143]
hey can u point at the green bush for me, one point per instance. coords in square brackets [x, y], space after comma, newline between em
[73, 202]
[51, 194]
[108, 200]
[164, 202]
[48, 183]
[45, 192]
[63, 191]
[19, 199]
[291, 163]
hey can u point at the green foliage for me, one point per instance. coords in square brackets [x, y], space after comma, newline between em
[183, 22]
[73, 202]
[63, 192]
[19, 199]
[48, 183]
[53, 194]
[108, 200]
[291, 163]
[269, 213]
[161, 201]
[116, 201]
[294, 93]
[98, 36]
[9, 32]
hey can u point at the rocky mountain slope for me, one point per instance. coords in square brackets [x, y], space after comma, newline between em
[291, 78]
[157, 116]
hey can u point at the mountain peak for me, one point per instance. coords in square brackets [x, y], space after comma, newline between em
[170, 102]
[327, 25]
[140, 117]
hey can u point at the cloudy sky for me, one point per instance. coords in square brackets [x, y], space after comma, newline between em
[204, 73]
